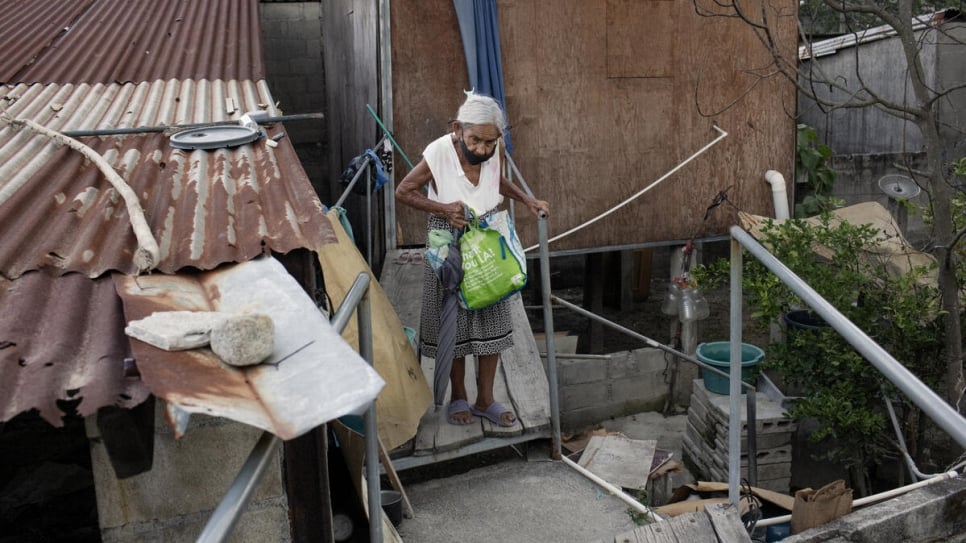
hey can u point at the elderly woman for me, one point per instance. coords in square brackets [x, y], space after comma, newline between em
[463, 167]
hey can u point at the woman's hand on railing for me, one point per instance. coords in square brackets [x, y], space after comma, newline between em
[540, 208]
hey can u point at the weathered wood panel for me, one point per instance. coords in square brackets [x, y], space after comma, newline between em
[350, 53]
[429, 76]
[604, 97]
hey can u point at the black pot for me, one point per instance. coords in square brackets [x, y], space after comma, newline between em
[803, 319]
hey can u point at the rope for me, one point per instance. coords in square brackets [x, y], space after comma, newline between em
[672, 171]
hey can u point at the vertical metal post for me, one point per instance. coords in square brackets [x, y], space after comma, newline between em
[385, 105]
[369, 213]
[734, 391]
[548, 331]
[752, 417]
[374, 488]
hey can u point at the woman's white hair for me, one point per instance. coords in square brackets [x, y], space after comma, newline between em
[481, 109]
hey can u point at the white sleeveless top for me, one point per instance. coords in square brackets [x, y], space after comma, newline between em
[452, 184]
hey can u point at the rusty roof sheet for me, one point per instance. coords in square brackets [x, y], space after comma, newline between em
[62, 343]
[104, 64]
[205, 208]
[120, 41]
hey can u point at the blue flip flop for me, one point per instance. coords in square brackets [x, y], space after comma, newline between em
[493, 413]
[454, 407]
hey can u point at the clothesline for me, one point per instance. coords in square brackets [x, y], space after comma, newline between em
[722, 134]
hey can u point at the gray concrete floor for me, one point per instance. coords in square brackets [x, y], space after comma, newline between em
[528, 498]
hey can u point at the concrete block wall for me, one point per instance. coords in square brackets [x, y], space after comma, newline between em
[292, 45]
[705, 442]
[174, 500]
[596, 389]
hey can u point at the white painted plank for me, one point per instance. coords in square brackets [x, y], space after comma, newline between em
[727, 523]
[526, 379]
[403, 284]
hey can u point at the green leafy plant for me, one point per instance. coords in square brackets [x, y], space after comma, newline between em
[813, 164]
[638, 517]
[836, 386]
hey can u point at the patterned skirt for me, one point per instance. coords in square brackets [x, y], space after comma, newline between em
[478, 331]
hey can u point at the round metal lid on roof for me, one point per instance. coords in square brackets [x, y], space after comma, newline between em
[214, 137]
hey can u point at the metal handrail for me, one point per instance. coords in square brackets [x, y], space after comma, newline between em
[544, 258]
[924, 397]
[232, 505]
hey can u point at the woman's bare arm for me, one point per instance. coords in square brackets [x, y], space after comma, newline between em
[410, 192]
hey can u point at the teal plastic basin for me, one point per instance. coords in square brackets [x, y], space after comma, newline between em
[718, 354]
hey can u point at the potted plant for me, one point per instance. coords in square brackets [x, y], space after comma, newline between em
[838, 388]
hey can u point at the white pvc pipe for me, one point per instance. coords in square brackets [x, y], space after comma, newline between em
[613, 490]
[779, 194]
[873, 498]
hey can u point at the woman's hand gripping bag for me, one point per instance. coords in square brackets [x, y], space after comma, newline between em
[492, 269]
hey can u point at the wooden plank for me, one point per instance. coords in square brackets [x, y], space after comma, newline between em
[403, 284]
[526, 380]
[435, 433]
[670, 531]
[619, 460]
[727, 523]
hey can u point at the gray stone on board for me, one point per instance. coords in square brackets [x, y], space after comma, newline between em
[244, 340]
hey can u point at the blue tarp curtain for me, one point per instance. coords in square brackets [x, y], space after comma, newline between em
[479, 28]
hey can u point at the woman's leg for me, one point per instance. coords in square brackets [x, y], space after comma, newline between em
[484, 385]
[457, 378]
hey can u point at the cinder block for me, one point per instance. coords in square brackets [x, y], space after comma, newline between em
[310, 65]
[189, 475]
[262, 521]
[580, 396]
[637, 387]
[763, 456]
[572, 371]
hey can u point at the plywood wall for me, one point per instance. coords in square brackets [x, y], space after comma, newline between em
[604, 97]
[349, 30]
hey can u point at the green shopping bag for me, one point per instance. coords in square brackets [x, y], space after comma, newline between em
[491, 270]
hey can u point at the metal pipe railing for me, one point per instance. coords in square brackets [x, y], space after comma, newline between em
[232, 505]
[750, 396]
[226, 515]
[734, 414]
[544, 259]
[924, 397]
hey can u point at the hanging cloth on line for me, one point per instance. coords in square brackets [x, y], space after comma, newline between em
[359, 162]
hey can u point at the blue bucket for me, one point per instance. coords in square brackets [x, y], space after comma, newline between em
[718, 355]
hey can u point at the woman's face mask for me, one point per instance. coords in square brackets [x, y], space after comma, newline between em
[478, 143]
[472, 157]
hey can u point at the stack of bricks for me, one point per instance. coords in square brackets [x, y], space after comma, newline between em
[706, 440]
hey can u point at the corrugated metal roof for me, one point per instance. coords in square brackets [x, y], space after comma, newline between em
[62, 342]
[205, 207]
[833, 45]
[100, 64]
[120, 41]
